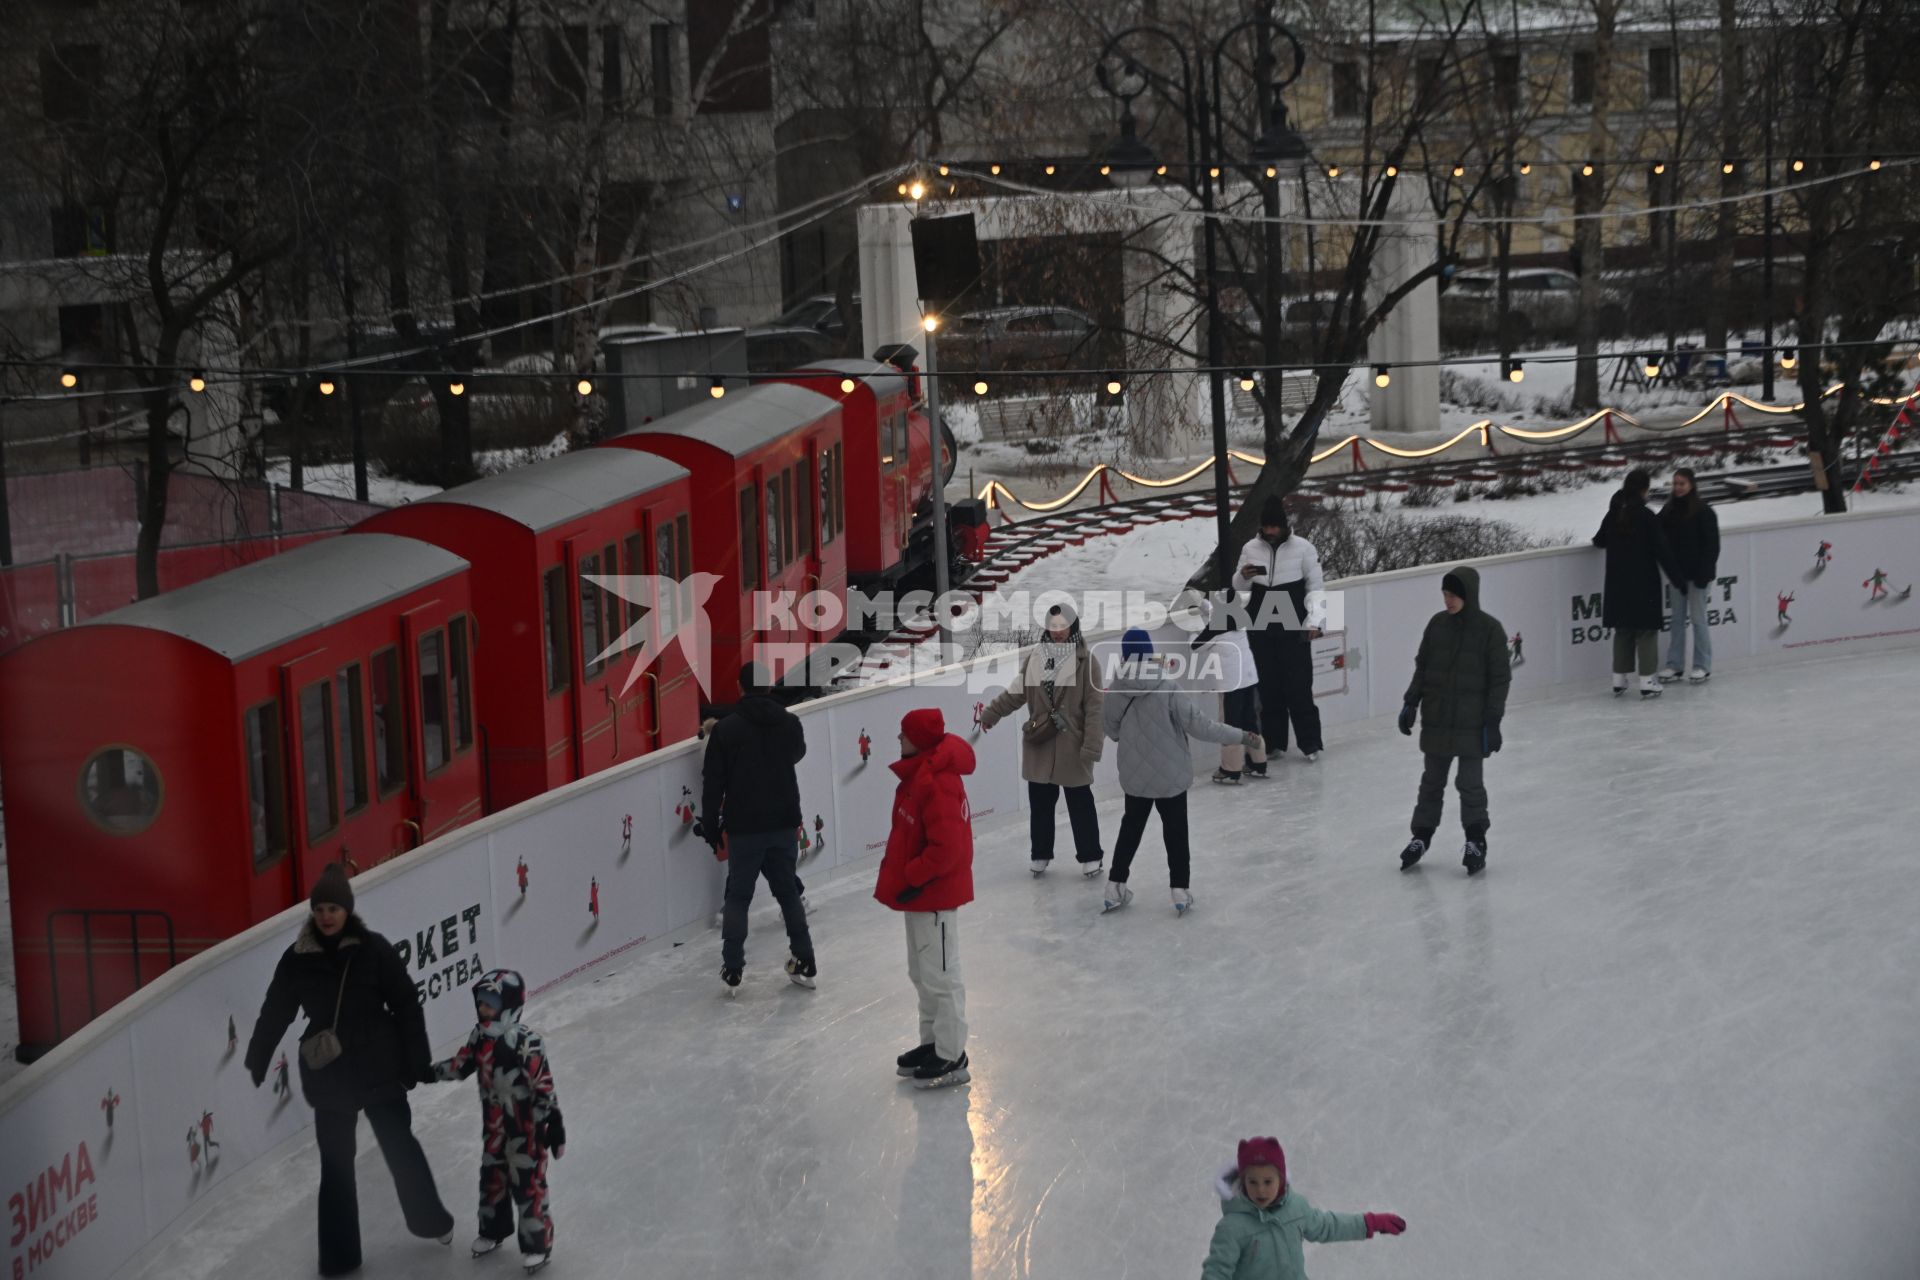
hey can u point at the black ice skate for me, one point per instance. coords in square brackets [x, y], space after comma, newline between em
[1475, 851]
[938, 1073]
[802, 972]
[910, 1061]
[1226, 777]
[1411, 855]
[732, 978]
[1257, 772]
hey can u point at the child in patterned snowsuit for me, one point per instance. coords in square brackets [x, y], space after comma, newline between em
[521, 1115]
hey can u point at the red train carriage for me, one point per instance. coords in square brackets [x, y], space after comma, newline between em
[768, 468]
[555, 708]
[181, 768]
[888, 465]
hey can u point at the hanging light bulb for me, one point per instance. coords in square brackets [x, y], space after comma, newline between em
[917, 190]
[1650, 365]
[1161, 171]
[1525, 169]
[69, 379]
[846, 386]
[1660, 168]
[1515, 373]
[1105, 170]
[930, 323]
[1586, 170]
[1393, 171]
[1333, 171]
[1459, 171]
[1246, 382]
[980, 387]
[902, 188]
[1113, 386]
[943, 171]
[584, 386]
[1874, 164]
[457, 388]
[718, 389]
[326, 386]
[1382, 376]
[1726, 167]
[1049, 171]
[197, 381]
[994, 169]
[1789, 358]
[1272, 172]
[1213, 172]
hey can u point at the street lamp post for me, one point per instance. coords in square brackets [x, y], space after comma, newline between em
[1133, 163]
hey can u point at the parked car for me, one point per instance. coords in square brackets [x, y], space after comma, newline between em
[1021, 337]
[1540, 301]
[786, 347]
[821, 311]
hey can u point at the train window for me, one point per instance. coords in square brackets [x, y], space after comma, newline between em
[350, 720]
[316, 759]
[826, 495]
[120, 790]
[667, 568]
[389, 724]
[435, 741]
[636, 549]
[682, 540]
[266, 787]
[554, 596]
[749, 542]
[458, 684]
[803, 500]
[609, 601]
[886, 441]
[796, 498]
[589, 616]
[839, 491]
[775, 537]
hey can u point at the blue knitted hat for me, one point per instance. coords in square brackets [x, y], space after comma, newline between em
[1136, 644]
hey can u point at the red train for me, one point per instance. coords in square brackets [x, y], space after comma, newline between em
[179, 769]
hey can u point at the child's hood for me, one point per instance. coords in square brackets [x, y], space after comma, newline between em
[1233, 1200]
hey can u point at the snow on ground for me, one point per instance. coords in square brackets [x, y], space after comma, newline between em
[1669, 1030]
[335, 479]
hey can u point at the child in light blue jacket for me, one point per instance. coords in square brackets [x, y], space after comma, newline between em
[1263, 1220]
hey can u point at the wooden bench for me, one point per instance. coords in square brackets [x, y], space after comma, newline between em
[1012, 419]
[1295, 389]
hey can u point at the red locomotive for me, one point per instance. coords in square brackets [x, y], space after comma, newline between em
[180, 769]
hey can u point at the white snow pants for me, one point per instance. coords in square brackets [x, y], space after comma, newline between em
[933, 963]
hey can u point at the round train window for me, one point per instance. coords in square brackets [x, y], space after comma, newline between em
[120, 790]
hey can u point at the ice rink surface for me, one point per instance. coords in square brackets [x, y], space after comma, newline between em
[1673, 1031]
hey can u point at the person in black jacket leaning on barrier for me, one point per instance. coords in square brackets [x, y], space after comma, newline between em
[750, 793]
[348, 980]
[1693, 533]
[1459, 691]
[1280, 560]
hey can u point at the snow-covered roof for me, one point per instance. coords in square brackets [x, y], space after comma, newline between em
[884, 379]
[544, 494]
[743, 421]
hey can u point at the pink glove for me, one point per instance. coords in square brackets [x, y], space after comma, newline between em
[1386, 1224]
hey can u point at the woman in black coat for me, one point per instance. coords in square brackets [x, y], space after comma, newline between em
[1693, 531]
[1634, 606]
[344, 976]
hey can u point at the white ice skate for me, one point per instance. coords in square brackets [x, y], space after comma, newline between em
[1117, 896]
[1619, 683]
[1092, 870]
[1182, 902]
[533, 1262]
[1667, 675]
[484, 1245]
[1040, 865]
[1699, 675]
[1650, 687]
[1313, 757]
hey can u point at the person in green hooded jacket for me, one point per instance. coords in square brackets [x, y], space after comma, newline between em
[1459, 692]
[1263, 1221]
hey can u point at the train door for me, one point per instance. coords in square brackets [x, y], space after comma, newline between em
[307, 709]
[639, 706]
[436, 659]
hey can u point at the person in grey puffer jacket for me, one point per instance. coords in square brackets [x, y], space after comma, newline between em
[1152, 720]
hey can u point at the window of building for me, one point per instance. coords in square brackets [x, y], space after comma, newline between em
[120, 790]
[459, 686]
[435, 741]
[661, 37]
[1349, 95]
[349, 718]
[749, 542]
[1430, 79]
[484, 71]
[1506, 81]
[1582, 89]
[316, 759]
[554, 603]
[566, 68]
[1661, 66]
[589, 617]
[82, 231]
[613, 73]
[266, 787]
[69, 78]
[389, 724]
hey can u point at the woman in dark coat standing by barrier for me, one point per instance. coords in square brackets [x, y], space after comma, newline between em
[344, 976]
[1636, 553]
[1693, 531]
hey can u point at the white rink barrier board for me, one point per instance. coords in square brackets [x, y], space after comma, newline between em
[148, 1109]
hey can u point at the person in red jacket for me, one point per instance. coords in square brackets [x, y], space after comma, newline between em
[927, 875]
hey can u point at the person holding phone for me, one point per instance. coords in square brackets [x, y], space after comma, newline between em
[1283, 629]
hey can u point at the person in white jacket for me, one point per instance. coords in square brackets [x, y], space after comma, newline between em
[1279, 560]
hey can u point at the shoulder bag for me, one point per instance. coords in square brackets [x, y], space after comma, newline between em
[321, 1048]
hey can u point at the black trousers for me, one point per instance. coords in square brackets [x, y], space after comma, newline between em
[333, 1133]
[1284, 662]
[1173, 830]
[1471, 781]
[774, 854]
[1080, 813]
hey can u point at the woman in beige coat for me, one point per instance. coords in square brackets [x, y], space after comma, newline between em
[1061, 738]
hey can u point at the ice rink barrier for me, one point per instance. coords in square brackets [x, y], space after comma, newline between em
[102, 1142]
